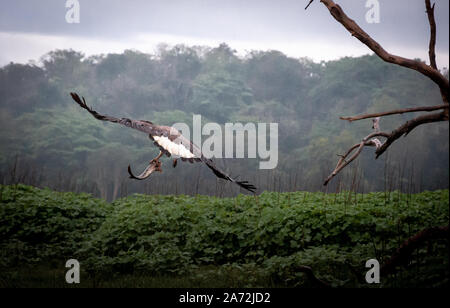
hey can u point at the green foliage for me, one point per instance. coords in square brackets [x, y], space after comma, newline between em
[41, 225]
[262, 238]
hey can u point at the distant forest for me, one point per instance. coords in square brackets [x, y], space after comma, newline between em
[48, 141]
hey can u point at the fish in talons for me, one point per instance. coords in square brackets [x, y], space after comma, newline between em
[154, 165]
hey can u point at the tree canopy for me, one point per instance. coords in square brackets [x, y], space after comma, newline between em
[44, 130]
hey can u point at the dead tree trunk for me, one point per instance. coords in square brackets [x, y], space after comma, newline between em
[403, 254]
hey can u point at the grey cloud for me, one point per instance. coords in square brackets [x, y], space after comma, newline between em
[403, 22]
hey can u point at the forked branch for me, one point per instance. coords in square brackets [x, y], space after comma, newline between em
[406, 128]
[381, 147]
[369, 140]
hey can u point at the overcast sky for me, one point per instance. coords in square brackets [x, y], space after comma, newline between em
[31, 28]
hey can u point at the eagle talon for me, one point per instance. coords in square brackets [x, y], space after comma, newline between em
[154, 165]
[158, 166]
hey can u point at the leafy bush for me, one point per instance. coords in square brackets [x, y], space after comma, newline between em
[274, 232]
[40, 225]
[255, 238]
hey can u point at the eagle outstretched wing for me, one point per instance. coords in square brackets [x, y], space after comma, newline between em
[143, 126]
[210, 163]
[169, 140]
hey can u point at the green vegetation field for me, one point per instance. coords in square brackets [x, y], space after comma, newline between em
[246, 241]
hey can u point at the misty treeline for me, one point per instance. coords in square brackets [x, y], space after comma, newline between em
[47, 140]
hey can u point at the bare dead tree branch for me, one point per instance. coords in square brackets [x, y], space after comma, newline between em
[397, 111]
[369, 140]
[430, 71]
[311, 1]
[356, 31]
[406, 128]
[403, 253]
[432, 46]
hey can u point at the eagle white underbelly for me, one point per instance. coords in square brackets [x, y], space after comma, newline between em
[173, 148]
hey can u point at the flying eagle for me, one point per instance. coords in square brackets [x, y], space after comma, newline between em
[170, 142]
